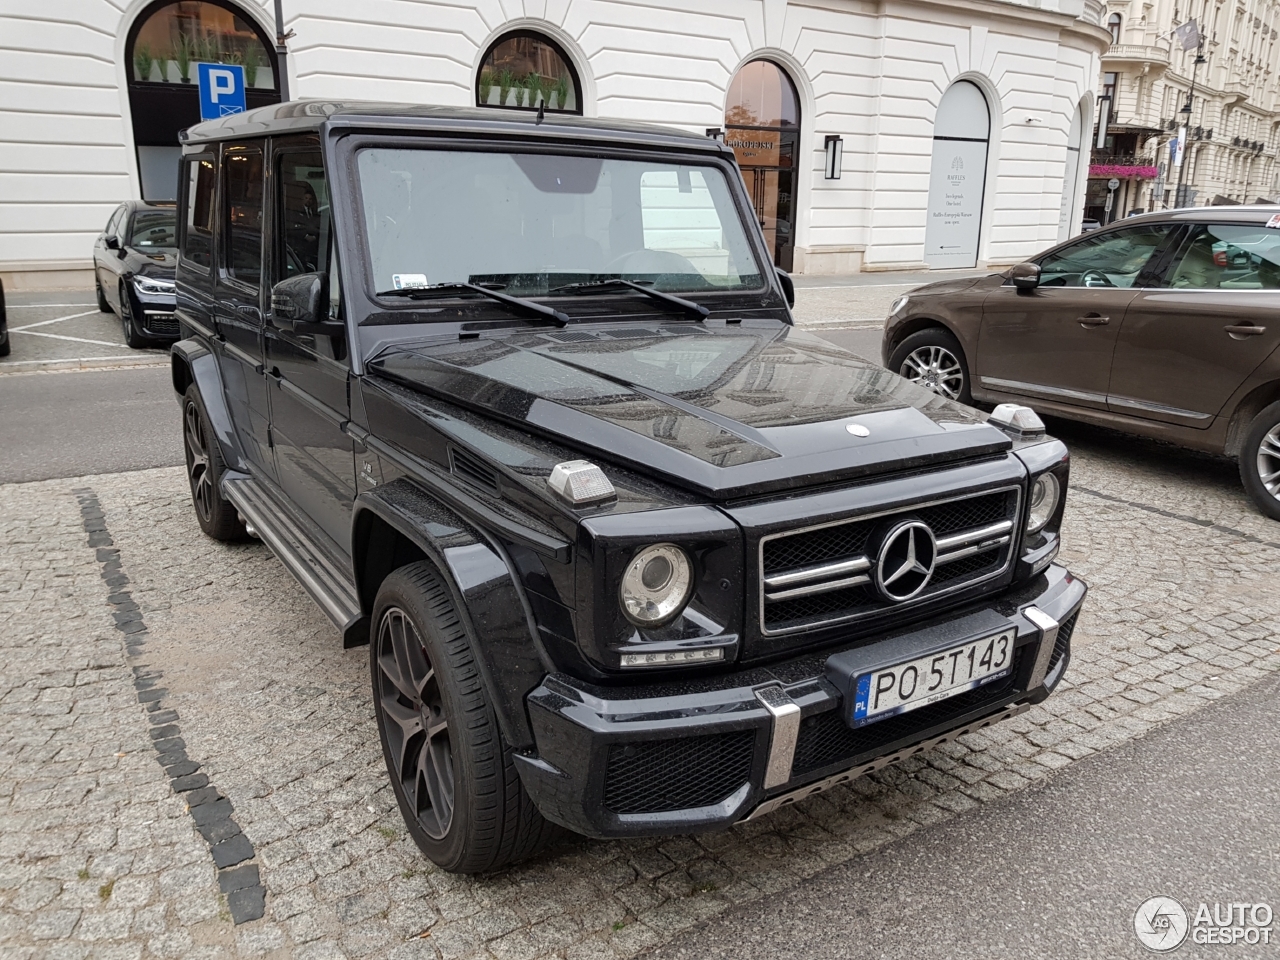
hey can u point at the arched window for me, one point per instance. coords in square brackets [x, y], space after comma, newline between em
[1113, 24]
[957, 180]
[762, 125]
[162, 49]
[525, 71]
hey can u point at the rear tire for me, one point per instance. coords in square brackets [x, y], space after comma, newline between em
[934, 359]
[1260, 461]
[103, 306]
[205, 468]
[452, 773]
[132, 336]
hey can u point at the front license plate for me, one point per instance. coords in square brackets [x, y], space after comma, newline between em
[918, 683]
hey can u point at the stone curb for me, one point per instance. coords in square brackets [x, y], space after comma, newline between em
[77, 364]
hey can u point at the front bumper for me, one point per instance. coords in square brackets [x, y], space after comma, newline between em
[697, 755]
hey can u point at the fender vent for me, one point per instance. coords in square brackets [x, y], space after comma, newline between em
[473, 471]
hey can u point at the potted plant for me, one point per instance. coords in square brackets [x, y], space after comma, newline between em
[251, 64]
[486, 85]
[562, 92]
[142, 62]
[183, 57]
[505, 81]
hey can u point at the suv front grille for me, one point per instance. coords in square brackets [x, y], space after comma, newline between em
[824, 575]
[659, 776]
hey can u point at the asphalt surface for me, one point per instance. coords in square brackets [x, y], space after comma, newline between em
[78, 423]
[1188, 811]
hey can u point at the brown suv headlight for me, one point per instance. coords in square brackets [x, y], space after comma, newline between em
[656, 585]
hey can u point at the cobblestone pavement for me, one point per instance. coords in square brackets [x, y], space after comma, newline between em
[100, 857]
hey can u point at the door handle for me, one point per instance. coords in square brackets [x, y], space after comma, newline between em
[250, 313]
[1239, 331]
[1093, 320]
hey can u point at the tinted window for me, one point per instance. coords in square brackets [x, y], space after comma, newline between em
[1113, 259]
[1229, 257]
[304, 213]
[242, 170]
[153, 228]
[197, 240]
[113, 222]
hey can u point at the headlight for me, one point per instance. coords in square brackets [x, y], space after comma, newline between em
[153, 285]
[898, 304]
[1045, 494]
[656, 585]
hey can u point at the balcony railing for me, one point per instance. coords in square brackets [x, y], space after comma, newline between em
[1120, 160]
[1136, 53]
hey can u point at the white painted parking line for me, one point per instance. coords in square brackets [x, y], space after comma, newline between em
[45, 323]
[58, 336]
[39, 306]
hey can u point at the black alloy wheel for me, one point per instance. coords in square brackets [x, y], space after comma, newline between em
[205, 467]
[132, 336]
[1260, 461]
[417, 731]
[103, 306]
[452, 772]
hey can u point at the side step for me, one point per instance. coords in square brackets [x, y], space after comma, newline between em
[329, 585]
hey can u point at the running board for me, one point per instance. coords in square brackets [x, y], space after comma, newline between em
[808, 790]
[329, 585]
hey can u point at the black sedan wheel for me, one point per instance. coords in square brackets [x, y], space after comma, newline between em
[1260, 461]
[205, 467]
[132, 335]
[451, 771]
[933, 359]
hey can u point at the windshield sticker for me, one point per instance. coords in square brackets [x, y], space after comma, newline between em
[408, 281]
[1274, 222]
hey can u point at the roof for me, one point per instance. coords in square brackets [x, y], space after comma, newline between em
[1250, 213]
[297, 116]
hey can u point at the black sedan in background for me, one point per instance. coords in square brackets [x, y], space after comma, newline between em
[133, 262]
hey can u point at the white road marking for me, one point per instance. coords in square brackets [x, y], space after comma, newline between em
[40, 306]
[45, 323]
[56, 336]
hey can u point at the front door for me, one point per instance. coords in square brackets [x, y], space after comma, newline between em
[238, 299]
[309, 374]
[1187, 345]
[1056, 342]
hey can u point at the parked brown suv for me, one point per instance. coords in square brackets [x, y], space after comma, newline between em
[1165, 325]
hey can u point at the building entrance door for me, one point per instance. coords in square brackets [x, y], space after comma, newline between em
[762, 125]
[958, 178]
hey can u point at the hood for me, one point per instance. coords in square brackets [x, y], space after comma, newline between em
[159, 262]
[727, 410]
[957, 285]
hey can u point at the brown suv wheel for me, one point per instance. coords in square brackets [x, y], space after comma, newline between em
[1260, 461]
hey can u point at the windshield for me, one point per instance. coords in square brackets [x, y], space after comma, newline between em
[153, 228]
[531, 223]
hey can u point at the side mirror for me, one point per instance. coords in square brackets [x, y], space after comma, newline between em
[300, 305]
[112, 242]
[1025, 276]
[788, 287]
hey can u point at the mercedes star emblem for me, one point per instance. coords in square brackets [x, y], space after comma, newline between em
[906, 561]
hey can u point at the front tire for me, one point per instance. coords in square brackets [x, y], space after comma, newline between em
[451, 771]
[205, 467]
[132, 336]
[1260, 461]
[934, 359]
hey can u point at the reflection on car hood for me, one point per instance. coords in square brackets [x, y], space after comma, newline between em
[725, 409]
[159, 262]
[955, 285]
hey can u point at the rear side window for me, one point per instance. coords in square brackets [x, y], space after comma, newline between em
[197, 234]
[242, 172]
[1222, 256]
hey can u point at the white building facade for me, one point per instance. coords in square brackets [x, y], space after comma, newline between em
[959, 126]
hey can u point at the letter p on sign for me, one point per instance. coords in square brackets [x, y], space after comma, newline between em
[221, 90]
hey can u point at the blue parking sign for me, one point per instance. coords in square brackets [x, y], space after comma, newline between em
[221, 89]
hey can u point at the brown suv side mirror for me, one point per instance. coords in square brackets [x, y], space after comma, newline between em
[300, 304]
[1025, 276]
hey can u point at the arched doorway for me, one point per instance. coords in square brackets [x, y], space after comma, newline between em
[164, 44]
[958, 177]
[527, 71]
[1069, 217]
[762, 125]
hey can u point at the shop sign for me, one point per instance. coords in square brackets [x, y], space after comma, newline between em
[755, 148]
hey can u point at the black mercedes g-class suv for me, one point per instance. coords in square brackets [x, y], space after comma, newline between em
[519, 401]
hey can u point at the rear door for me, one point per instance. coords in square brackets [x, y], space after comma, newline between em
[1187, 344]
[238, 298]
[308, 374]
[1056, 342]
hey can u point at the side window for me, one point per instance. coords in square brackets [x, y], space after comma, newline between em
[303, 203]
[1228, 257]
[1112, 259]
[197, 233]
[242, 188]
[113, 222]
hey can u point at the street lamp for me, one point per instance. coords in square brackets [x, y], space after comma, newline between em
[1180, 158]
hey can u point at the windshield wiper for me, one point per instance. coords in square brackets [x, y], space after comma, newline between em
[696, 310]
[518, 304]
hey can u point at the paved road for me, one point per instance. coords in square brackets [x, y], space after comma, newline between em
[1188, 811]
[77, 423]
